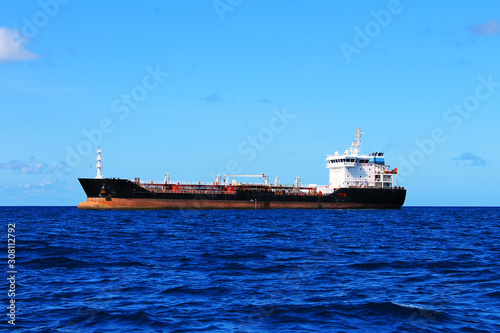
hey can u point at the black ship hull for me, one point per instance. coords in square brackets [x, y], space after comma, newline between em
[112, 193]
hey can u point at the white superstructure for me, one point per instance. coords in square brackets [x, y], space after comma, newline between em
[351, 169]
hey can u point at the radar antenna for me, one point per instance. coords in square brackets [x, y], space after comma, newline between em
[356, 144]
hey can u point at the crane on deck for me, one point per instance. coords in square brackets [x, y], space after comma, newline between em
[261, 176]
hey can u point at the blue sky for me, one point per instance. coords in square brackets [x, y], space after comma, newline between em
[206, 87]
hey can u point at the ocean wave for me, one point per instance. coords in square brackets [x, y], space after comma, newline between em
[56, 262]
[258, 271]
[97, 320]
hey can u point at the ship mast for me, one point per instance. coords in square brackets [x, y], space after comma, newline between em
[99, 164]
[356, 144]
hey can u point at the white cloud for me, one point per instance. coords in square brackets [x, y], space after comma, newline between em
[12, 46]
[33, 167]
[42, 187]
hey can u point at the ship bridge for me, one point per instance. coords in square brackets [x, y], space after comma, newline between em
[352, 169]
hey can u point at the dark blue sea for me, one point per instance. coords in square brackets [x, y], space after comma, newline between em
[408, 270]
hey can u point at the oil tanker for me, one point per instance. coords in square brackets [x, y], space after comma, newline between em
[355, 181]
